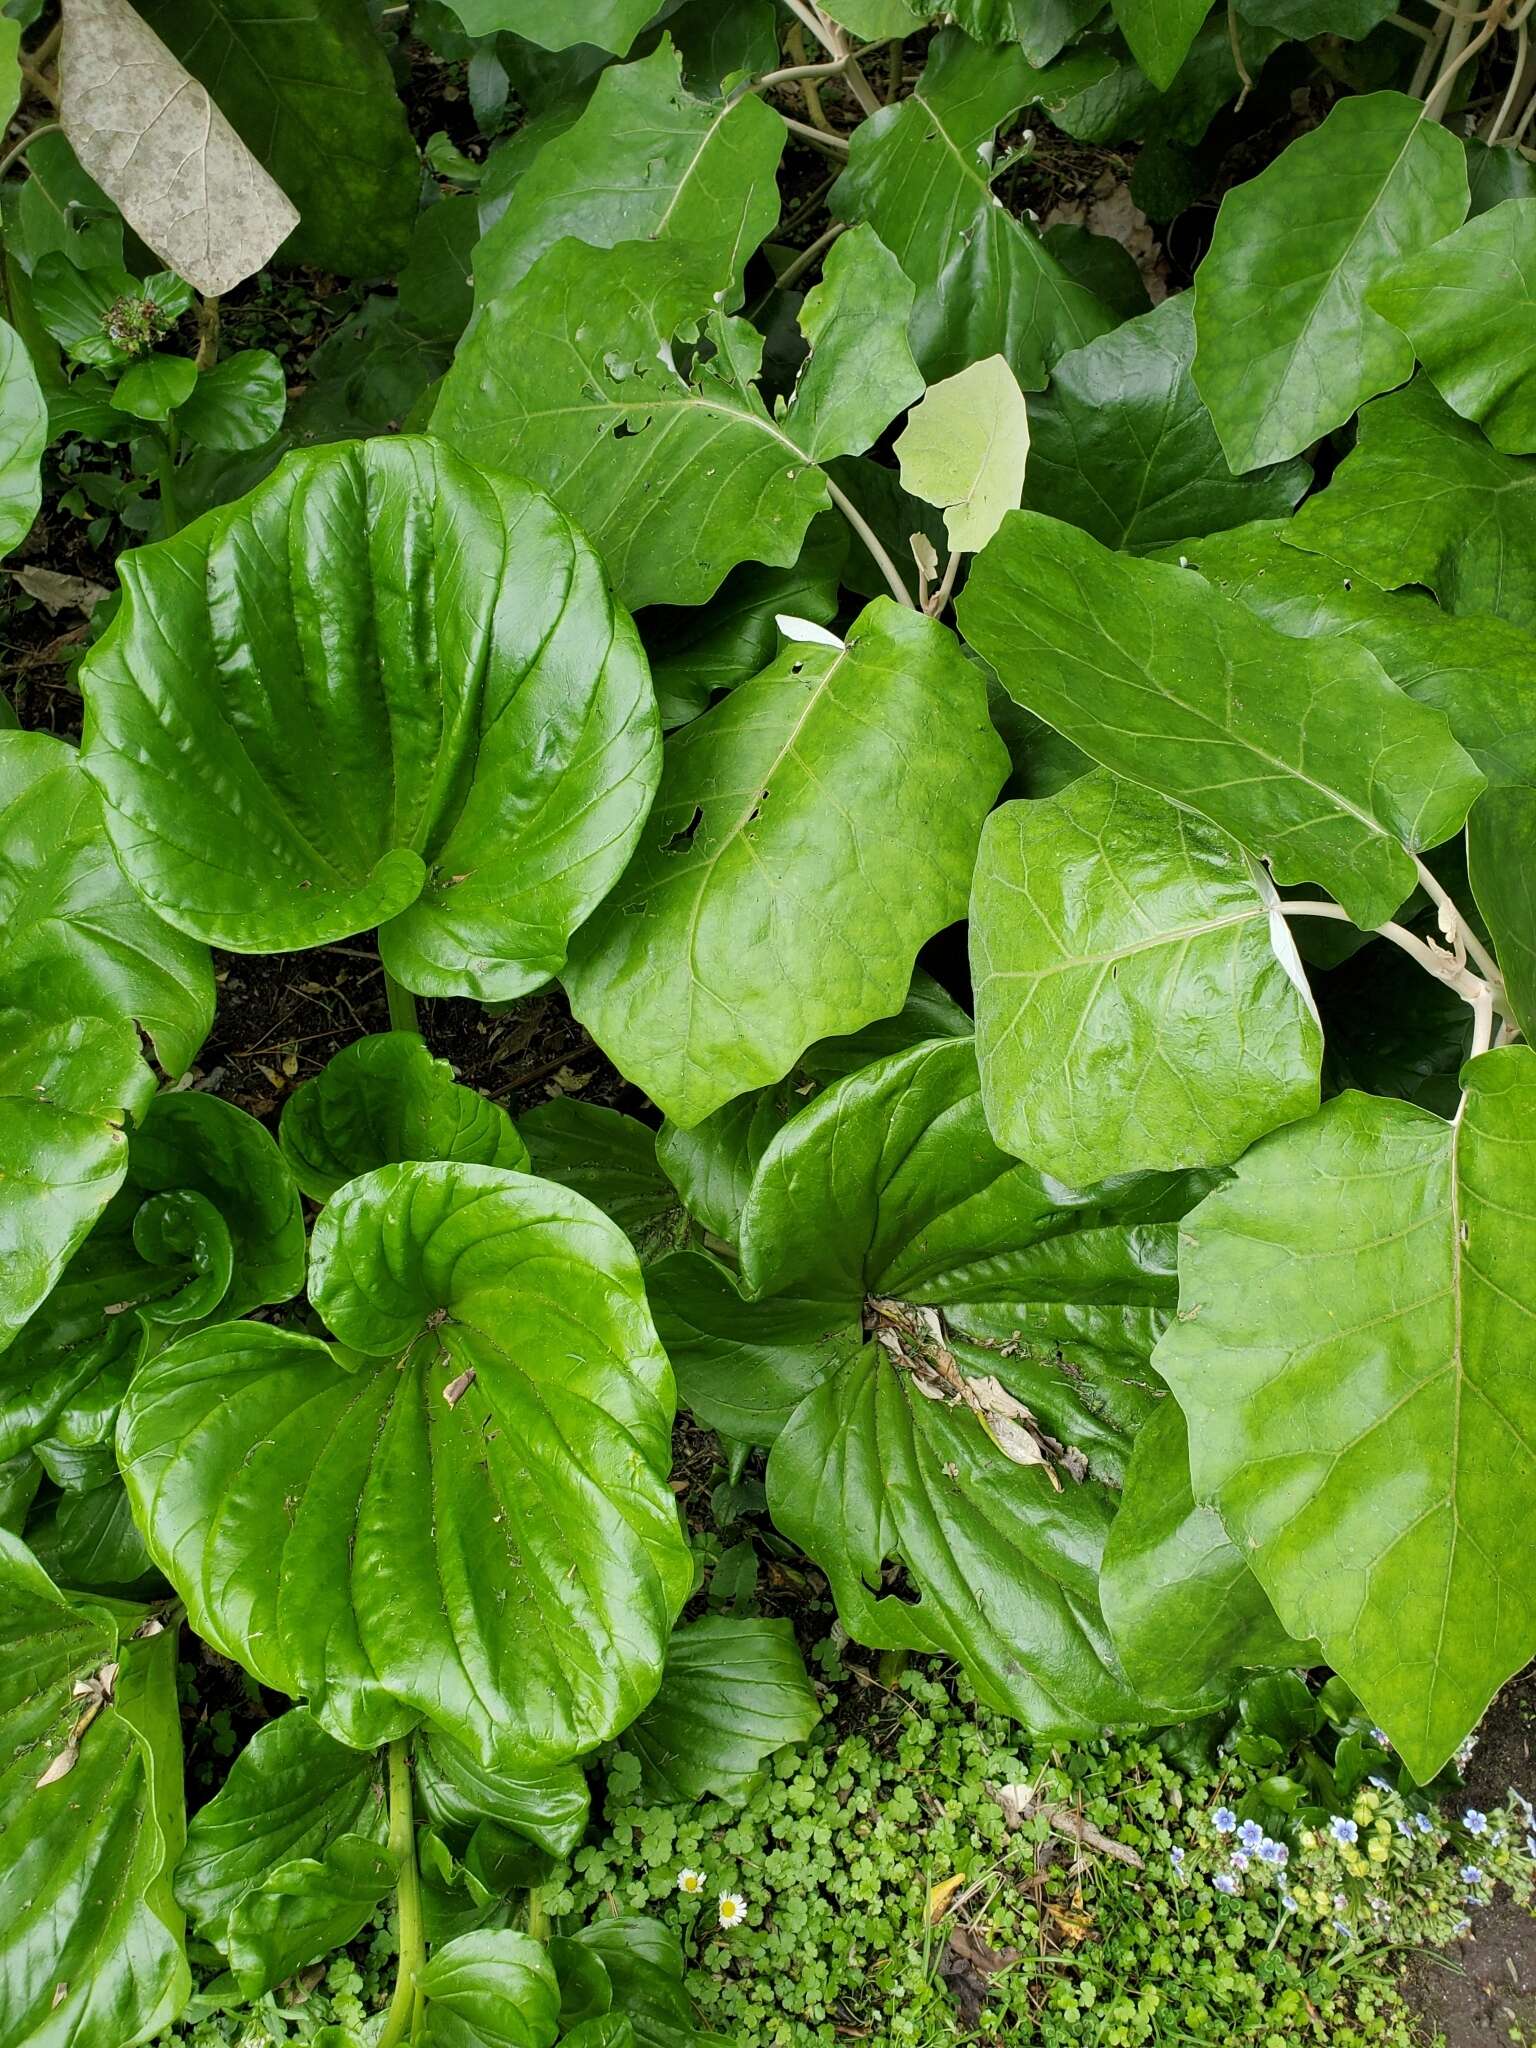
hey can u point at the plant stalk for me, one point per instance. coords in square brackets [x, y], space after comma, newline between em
[872, 541]
[402, 1005]
[399, 2022]
[19, 149]
[536, 1923]
[170, 516]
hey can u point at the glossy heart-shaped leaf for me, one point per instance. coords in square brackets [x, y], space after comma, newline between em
[733, 1693]
[385, 688]
[206, 1222]
[610, 1159]
[83, 964]
[238, 404]
[385, 1099]
[915, 1295]
[91, 1813]
[86, 1541]
[1309, 757]
[1353, 1373]
[490, 1990]
[765, 908]
[1139, 1000]
[23, 437]
[472, 1521]
[457, 1793]
[1288, 345]
[290, 1793]
[918, 172]
[677, 474]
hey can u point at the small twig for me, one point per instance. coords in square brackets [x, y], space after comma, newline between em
[810, 204]
[816, 113]
[834, 145]
[19, 149]
[858, 84]
[1443, 966]
[792, 273]
[1235, 42]
[872, 541]
[38, 83]
[48, 48]
[1424, 70]
[1459, 53]
[895, 71]
[1412, 28]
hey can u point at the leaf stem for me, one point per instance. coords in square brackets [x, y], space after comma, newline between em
[170, 517]
[872, 541]
[834, 145]
[404, 2006]
[19, 149]
[402, 1005]
[940, 598]
[1443, 966]
[207, 332]
[536, 1923]
[1455, 926]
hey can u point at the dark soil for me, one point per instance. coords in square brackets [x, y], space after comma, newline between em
[1483, 1989]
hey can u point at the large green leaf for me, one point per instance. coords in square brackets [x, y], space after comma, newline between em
[732, 1694]
[1423, 498]
[462, 1518]
[1306, 754]
[1122, 445]
[385, 1099]
[23, 437]
[1187, 1615]
[90, 1936]
[292, 1794]
[767, 906]
[490, 1990]
[83, 964]
[919, 173]
[558, 24]
[1468, 305]
[646, 160]
[385, 688]
[905, 1289]
[1139, 1001]
[307, 86]
[86, 1541]
[1501, 866]
[1351, 1355]
[206, 1222]
[550, 1807]
[1288, 346]
[76, 940]
[1160, 33]
[572, 377]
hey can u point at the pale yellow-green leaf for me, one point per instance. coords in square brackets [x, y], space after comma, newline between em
[964, 449]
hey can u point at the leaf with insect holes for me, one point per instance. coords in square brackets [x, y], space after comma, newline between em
[765, 907]
[154, 139]
[920, 174]
[964, 448]
[677, 473]
[501, 1385]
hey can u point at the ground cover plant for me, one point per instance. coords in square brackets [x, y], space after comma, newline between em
[665, 521]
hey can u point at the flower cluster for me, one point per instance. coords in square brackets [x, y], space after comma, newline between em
[1385, 1866]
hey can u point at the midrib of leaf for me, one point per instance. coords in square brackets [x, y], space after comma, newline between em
[1174, 936]
[1458, 1380]
[1330, 276]
[1290, 769]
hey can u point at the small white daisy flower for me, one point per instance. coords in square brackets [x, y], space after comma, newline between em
[733, 1909]
[690, 1883]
